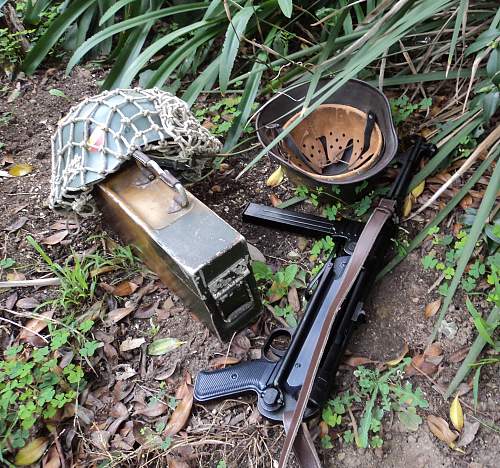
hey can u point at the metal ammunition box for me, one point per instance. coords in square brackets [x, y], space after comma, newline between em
[196, 254]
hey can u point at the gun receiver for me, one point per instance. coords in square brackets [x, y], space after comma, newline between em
[277, 378]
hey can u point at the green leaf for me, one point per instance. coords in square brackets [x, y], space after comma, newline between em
[110, 31]
[479, 322]
[290, 273]
[164, 346]
[135, 66]
[231, 44]
[6, 263]
[409, 419]
[58, 93]
[110, 12]
[89, 348]
[261, 271]
[286, 7]
[366, 420]
[54, 32]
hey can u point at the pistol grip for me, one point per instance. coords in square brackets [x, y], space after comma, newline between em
[240, 378]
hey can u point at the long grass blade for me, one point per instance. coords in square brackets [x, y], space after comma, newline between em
[235, 30]
[245, 106]
[35, 56]
[472, 355]
[444, 152]
[205, 80]
[460, 20]
[113, 9]
[128, 74]
[110, 31]
[477, 228]
[450, 206]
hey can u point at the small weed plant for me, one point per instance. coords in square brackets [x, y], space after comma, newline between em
[379, 393]
[218, 117]
[37, 383]
[79, 275]
[402, 108]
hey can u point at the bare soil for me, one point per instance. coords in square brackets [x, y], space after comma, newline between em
[230, 430]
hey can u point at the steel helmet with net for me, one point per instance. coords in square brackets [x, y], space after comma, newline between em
[102, 132]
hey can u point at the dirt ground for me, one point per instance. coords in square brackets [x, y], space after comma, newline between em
[230, 430]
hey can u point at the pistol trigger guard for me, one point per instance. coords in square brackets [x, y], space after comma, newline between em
[268, 346]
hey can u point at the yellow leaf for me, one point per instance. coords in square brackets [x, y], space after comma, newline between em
[275, 178]
[397, 360]
[418, 190]
[21, 169]
[456, 414]
[31, 452]
[407, 206]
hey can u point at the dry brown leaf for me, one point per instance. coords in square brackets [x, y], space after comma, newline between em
[293, 299]
[402, 354]
[16, 276]
[147, 311]
[275, 201]
[240, 345]
[440, 428]
[51, 460]
[145, 436]
[35, 325]
[119, 314]
[131, 343]
[166, 372]
[468, 433]
[127, 373]
[459, 355]
[110, 353]
[323, 428]
[119, 410]
[16, 225]
[27, 303]
[419, 362]
[176, 463]
[54, 239]
[223, 361]
[125, 288]
[11, 301]
[181, 414]
[102, 270]
[151, 410]
[433, 350]
[100, 439]
[432, 308]
[466, 202]
[355, 361]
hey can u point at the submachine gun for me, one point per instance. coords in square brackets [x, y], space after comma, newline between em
[293, 381]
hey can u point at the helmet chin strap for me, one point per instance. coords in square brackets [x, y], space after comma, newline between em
[181, 199]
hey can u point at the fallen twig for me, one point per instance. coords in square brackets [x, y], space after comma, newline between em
[30, 283]
[489, 143]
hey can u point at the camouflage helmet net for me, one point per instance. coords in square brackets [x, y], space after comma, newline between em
[98, 135]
